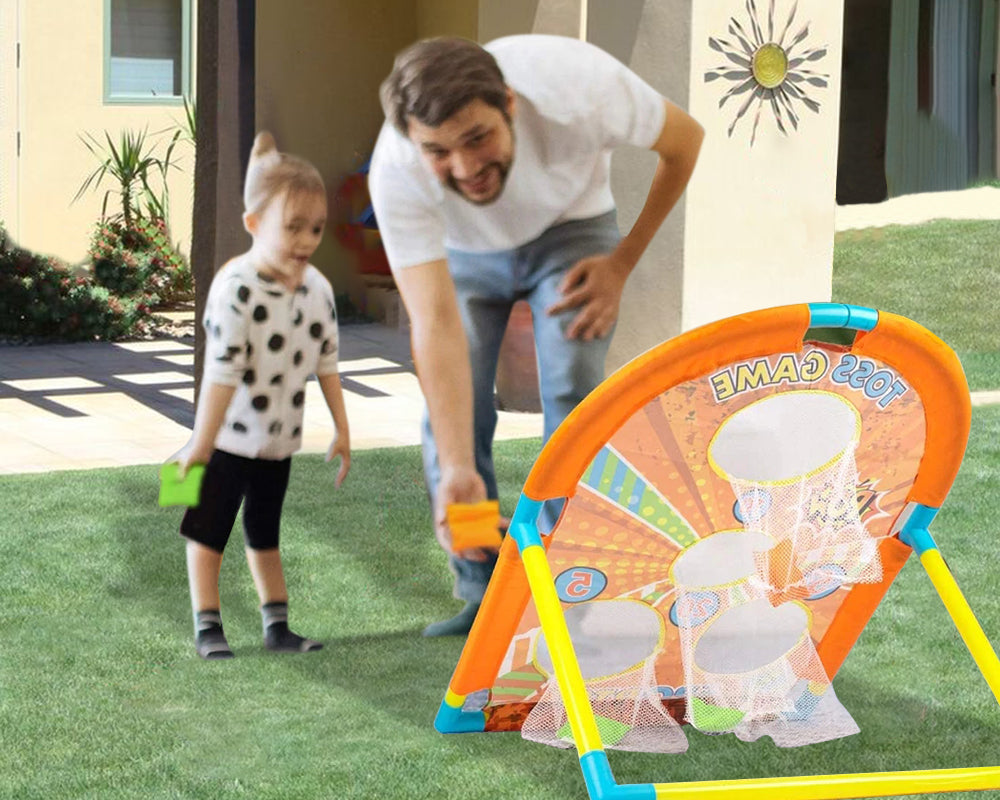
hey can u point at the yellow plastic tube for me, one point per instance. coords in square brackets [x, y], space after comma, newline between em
[836, 787]
[571, 685]
[963, 617]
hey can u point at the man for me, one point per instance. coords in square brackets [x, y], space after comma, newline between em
[490, 183]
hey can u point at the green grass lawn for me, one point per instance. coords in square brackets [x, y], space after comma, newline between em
[943, 274]
[102, 695]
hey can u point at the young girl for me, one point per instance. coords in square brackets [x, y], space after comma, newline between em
[270, 323]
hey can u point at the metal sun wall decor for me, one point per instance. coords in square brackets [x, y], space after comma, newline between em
[767, 68]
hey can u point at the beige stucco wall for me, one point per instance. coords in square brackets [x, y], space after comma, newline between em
[759, 222]
[318, 71]
[506, 17]
[755, 227]
[61, 96]
[447, 18]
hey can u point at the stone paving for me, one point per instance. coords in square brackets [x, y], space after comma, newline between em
[80, 406]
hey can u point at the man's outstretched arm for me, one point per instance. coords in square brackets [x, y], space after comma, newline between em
[441, 355]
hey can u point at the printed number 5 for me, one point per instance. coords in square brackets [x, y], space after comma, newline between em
[580, 583]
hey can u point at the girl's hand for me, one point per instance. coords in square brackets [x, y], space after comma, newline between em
[189, 455]
[341, 446]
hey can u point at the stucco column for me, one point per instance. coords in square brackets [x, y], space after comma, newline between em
[653, 37]
[505, 17]
[755, 227]
[517, 370]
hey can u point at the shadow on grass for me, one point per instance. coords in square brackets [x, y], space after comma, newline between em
[326, 535]
[399, 674]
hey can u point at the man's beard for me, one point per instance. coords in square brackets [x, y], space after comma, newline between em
[503, 170]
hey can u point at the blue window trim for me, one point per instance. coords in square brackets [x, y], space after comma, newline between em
[149, 100]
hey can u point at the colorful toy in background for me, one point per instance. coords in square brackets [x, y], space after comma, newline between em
[737, 503]
[359, 233]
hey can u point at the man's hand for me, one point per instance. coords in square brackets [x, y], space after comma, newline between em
[458, 485]
[441, 354]
[340, 446]
[594, 285]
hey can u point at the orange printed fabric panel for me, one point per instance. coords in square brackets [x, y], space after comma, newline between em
[812, 453]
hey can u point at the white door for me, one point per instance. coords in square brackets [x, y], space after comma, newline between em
[10, 102]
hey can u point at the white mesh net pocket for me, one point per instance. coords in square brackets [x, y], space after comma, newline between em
[790, 460]
[616, 642]
[750, 665]
[754, 671]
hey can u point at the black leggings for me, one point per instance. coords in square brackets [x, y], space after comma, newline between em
[228, 480]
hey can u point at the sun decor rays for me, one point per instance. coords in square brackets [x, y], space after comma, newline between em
[768, 70]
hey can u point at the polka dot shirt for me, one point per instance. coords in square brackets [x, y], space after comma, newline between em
[266, 340]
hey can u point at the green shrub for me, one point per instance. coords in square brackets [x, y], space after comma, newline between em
[41, 300]
[138, 259]
[134, 269]
[137, 173]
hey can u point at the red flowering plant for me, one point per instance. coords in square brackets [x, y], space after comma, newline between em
[133, 268]
[137, 260]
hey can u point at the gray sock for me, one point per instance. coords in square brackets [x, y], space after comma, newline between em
[209, 639]
[278, 637]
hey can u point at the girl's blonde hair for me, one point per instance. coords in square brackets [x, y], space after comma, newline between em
[269, 173]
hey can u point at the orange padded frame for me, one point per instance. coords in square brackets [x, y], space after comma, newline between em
[924, 360]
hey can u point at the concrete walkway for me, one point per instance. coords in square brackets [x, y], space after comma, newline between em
[80, 406]
[911, 209]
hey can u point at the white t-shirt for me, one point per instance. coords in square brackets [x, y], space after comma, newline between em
[575, 104]
[266, 340]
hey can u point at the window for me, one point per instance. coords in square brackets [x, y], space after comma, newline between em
[147, 46]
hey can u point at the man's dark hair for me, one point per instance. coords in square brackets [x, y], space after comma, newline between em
[434, 78]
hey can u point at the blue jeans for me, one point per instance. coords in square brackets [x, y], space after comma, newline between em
[487, 286]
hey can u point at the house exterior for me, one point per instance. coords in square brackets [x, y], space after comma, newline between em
[87, 66]
[690, 274]
[901, 99]
[919, 100]
[312, 77]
